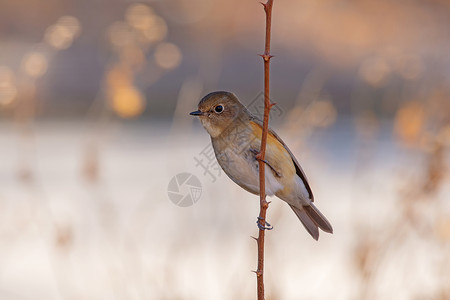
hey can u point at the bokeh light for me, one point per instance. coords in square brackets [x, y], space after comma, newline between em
[139, 16]
[71, 23]
[321, 113]
[118, 76]
[8, 90]
[442, 228]
[59, 36]
[409, 122]
[157, 30]
[362, 93]
[125, 99]
[34, 64]
[127, 102]
[375, 70]
[167, 56]
[62, 34]
[141, 25]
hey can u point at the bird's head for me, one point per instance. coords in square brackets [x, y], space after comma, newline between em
[219, 110]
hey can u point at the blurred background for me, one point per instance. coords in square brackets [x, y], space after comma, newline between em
[94, 129]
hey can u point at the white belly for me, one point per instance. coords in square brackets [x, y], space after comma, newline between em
[244, 171]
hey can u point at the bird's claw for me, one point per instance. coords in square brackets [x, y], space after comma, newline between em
[266, 226]
[258, 158]
[256, 153]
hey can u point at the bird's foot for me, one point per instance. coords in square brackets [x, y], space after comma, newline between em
[266, 226]
[258, 158]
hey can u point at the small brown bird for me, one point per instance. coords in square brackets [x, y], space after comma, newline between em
[236, 139]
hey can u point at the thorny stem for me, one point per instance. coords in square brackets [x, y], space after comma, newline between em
[262, 185]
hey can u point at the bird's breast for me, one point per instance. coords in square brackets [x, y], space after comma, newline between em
[236, 158]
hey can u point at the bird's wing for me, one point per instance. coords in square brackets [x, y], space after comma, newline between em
[298, 169]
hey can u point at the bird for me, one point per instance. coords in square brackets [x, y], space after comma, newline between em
[236, 139]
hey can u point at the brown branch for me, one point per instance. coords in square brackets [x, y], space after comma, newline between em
[262, 184]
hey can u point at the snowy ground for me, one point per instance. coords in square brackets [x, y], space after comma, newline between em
[63, 236]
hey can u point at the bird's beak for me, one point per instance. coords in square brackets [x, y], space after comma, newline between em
[196, 113]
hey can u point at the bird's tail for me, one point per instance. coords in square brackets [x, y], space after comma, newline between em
[312, 219]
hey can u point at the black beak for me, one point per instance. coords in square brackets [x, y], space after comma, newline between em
[196, 113]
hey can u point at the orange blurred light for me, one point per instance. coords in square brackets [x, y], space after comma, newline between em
[127, 102]
[118, 77]
[8, 90]
[139, 16]
[442, 228]
[409, 122]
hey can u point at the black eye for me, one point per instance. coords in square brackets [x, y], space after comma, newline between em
[218, 109]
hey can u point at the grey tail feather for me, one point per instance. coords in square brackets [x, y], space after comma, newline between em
[307, 221]
[318, 218]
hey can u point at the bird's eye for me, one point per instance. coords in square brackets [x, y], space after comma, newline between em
[218, 109]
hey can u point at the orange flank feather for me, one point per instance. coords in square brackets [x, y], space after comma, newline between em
[276, 155]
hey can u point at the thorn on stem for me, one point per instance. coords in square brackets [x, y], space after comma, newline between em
[266, 56]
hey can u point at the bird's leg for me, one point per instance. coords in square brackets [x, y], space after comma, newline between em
[258, 157]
